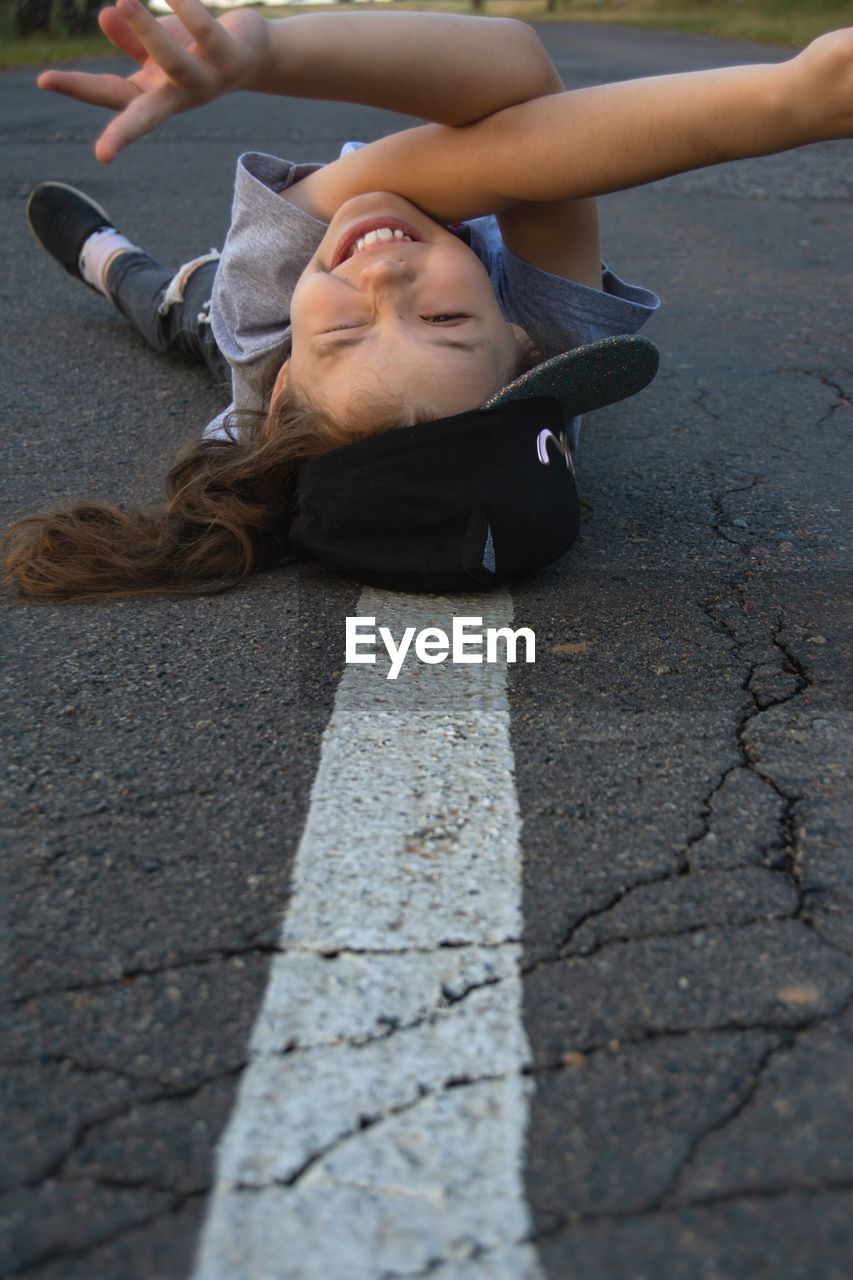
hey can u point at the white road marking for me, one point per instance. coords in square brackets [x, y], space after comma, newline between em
[379, 1127]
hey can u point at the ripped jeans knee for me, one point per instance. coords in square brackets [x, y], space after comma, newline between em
[174, 293]
[169, 308]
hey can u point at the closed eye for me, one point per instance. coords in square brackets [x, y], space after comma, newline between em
[442, 318]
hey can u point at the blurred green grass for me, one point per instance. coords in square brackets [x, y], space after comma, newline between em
[774, 22]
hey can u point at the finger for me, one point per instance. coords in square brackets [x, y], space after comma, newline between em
[100, 90]
[142, 116]
[120, 34]
[178, 64]
[210, 36]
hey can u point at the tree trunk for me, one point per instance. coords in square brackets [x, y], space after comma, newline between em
[32, 16]
[71, 17]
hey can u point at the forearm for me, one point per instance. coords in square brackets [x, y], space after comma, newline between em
[588, 142]
[441, 67]
[612, 137]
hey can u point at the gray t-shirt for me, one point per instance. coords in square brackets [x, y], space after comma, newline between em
[271, 241]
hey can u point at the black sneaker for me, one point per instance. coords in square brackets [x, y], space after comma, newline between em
[62, 218]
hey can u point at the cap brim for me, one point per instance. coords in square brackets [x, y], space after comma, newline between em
[588, 377]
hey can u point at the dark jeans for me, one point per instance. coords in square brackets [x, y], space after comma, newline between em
[138, 286]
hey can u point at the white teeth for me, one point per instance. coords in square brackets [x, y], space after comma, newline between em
[373, 237]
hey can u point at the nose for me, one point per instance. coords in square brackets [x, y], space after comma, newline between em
[385, 270]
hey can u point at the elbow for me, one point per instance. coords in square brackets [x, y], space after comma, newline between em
[544, 79]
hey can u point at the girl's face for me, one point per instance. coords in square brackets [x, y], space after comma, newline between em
[398, 324]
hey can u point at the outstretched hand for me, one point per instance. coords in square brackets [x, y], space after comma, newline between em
[186, 59]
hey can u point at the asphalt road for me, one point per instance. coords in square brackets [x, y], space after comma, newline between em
[681, 770]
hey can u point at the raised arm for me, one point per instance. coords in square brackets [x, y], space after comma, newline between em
[442, 67]
[589, 142]
[439, 67]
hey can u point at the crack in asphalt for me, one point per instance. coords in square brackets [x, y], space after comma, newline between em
[55, 1169]
[706, 817]
[97, 1069]
[447, 945]
[752, 1085]
[222, 954]
[791, 823]
[594, 913]
[843, 398]
[815, 921]
[215, 955]
[790, 826]
[371, 1120]
[769, 1193]
[580, 1217]
[716, 500]
[472, 1255]
[786, 1043]
[788, 1030]
[698, 401]
[438, 1010]
[115, 1183]
[604, 944]
[366, 1121]
[56, 1253]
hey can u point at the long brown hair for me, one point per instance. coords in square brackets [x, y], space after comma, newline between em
[229, 506]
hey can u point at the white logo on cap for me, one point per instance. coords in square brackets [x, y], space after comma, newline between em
[560, 441]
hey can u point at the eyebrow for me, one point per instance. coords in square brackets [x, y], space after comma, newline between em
[461, 344]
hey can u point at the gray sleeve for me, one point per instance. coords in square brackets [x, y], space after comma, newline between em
[269, 243]
[558, 313]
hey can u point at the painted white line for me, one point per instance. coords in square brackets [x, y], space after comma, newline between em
[379, 1127]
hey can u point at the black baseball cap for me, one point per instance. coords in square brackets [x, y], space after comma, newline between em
[464, 502]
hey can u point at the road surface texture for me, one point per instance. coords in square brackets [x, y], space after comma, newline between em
[679, 745]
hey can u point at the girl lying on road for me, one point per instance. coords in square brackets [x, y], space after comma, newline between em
[461, 256]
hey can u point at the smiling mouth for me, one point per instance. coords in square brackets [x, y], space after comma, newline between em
[347, 245]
